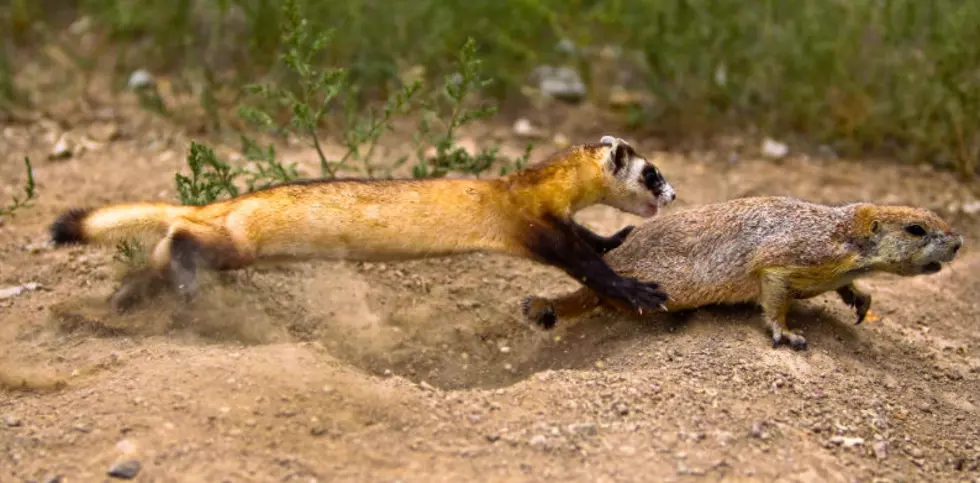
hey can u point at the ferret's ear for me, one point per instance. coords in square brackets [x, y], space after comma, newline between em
[619, 152]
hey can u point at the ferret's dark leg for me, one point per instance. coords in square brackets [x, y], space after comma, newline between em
[175, 261]
[556, 243]
[600, 243]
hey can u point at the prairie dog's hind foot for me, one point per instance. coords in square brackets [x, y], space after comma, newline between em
[539, 312]
[794, 338]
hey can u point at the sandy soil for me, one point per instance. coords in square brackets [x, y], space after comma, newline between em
[422, 371]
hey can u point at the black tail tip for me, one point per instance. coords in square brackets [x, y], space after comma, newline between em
[67, 229]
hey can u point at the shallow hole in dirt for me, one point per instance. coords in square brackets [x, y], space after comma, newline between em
[387, 328]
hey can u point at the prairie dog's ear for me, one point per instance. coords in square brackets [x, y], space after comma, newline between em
[619, 152]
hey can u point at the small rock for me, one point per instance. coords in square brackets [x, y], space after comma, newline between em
[9, 292]
[846, 442]
[971, 207]
[125, 470]
[140, 79]
[563, 83]
[627, 450]
[621, 409]
[11, 421]
[493, 437]
[104, 132]
[881, 449]
[566, 46]
[54, 479]
[890, 382]
[774, 149]
[914, 452]
[81, 428]
[583, 428]
[318, 430]
[524, 129]
[63, 148]
[126, 446]
[538, 441]
[505, 350]
[757, 429]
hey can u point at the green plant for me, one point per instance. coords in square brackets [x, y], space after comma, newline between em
[310, 95]
[131, 254]
[453, 97]
[30, 194]
[210, 177]
[8, 90]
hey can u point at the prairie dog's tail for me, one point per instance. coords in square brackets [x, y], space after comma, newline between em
[115, 223]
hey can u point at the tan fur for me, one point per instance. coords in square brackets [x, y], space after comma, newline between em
[387, 220]
[767, 250]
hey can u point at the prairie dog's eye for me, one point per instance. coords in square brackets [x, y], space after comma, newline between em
[915, 230]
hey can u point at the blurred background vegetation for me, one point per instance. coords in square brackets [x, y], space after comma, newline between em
[898, 78]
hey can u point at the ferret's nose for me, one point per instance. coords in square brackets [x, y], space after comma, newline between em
[956, 246]
[673, 196]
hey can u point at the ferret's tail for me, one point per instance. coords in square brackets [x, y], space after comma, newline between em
[115, 223]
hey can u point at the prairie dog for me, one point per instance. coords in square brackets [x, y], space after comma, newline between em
[768, 250]
[525, 214]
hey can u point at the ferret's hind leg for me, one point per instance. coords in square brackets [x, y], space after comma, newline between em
[175, 261]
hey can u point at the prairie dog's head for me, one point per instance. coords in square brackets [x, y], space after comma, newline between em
[635, 185]
[910, 241]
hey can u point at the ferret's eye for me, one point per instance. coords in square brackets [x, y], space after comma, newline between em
[915, 230]
[651, 178]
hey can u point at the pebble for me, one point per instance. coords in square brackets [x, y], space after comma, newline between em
[12, 421]
[583, 428]
[63, 148]
[54, 479]
[757, 429]
[774, 149]
[6, 293]
[846, 442]
[523, 128]
[914, 452]
[562, 83]
[139, 79]
[125, 470]
[538, 441]
[881, 450]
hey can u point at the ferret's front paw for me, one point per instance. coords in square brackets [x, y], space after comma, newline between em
[644, 296]
[793, 338]
[538, 312]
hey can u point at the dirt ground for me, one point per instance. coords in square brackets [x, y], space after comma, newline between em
[423, 371]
